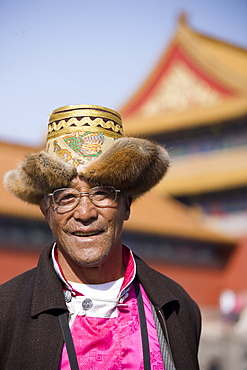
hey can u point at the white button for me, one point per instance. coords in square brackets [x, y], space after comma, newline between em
[67, 296]
[87, 304]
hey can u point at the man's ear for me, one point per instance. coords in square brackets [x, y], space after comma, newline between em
[44, 208]
[128, 202]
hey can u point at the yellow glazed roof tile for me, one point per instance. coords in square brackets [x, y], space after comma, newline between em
[10, 154]
[163, 215]
[206, 172]
[194, 117]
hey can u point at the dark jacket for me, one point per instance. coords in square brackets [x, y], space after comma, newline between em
[30, 334]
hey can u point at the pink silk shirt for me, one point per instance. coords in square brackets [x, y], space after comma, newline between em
[107, 336]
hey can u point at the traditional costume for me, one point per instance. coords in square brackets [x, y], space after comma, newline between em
[143, 321]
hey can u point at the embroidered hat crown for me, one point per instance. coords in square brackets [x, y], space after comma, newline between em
[80, 133]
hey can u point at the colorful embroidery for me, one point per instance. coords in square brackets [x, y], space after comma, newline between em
[87, 144]
[64, 154]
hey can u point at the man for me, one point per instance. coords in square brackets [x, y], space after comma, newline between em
[91, 303]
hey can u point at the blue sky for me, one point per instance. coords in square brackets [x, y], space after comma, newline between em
[60, 52]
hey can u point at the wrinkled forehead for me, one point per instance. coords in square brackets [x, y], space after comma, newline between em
[79, 182]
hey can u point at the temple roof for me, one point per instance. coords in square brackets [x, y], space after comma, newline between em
[10, 155]
[207, 172]
[185, 119]
[194, 73]
[169, 217]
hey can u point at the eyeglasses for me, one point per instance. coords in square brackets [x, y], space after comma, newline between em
[69, 198]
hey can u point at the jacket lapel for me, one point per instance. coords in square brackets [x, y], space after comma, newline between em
[47, 290]
[173, 302]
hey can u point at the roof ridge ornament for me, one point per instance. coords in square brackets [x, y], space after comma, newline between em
[183, 18]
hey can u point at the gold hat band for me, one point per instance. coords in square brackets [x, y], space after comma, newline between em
[86, 124]
[85, 117]
[84, 110]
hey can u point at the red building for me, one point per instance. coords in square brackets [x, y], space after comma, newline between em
[195, 103]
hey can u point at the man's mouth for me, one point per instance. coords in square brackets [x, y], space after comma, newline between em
[85, 234]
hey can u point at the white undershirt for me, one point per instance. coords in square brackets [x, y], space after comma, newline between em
[99, 291]
[102, 299]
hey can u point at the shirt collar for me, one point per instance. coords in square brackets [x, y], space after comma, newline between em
[128, 260]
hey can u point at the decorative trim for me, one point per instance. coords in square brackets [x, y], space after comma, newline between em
[85, 124]
[84, 113]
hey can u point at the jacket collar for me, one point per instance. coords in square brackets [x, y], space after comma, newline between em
[47, 291]
[155, 291]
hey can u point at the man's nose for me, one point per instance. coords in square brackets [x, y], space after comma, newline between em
[85, 210]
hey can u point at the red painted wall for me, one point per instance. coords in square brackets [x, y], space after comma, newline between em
[203, 284]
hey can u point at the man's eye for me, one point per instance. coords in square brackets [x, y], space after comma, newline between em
[101, 194]
[67, 198]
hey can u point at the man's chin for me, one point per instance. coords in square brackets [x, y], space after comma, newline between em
[91, 261]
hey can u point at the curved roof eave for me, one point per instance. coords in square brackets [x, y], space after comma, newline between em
[228, 109]
[171, 218]
[206, 173]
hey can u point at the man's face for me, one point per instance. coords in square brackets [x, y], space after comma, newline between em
[88, 236]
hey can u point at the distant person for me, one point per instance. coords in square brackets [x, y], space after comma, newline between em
[91, 303]
[215, 364]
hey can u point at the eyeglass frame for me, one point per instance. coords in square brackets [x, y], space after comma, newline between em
[81, 194]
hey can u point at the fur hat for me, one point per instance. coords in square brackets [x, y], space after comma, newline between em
[88, 141]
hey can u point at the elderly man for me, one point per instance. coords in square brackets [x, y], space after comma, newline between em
[91, 303]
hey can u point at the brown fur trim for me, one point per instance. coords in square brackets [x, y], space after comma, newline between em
[132, 165]
[38, 174]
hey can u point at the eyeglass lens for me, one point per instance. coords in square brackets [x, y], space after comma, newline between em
[100, 196]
